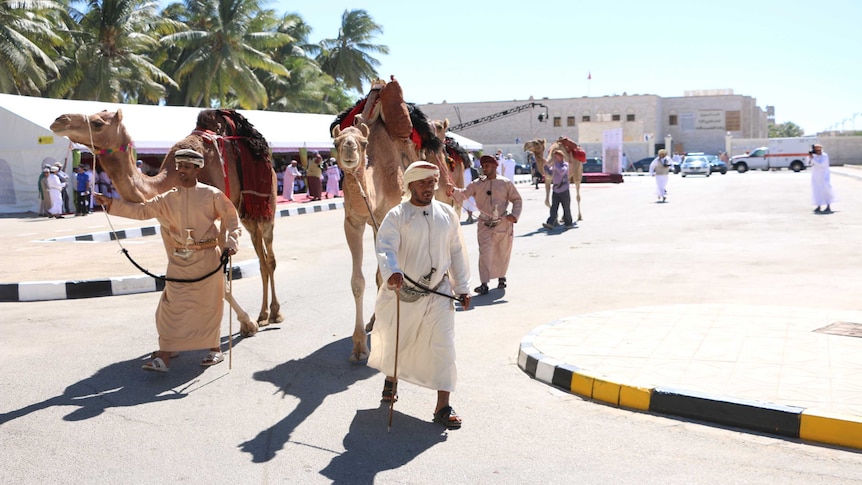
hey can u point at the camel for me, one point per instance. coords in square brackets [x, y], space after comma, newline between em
[217, 133]
[452, 166]
[574, 155]
[375, 141]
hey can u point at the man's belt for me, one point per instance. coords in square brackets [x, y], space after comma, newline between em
[199, 245]
[409, 294]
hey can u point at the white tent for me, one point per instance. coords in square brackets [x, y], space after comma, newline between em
[26, 140]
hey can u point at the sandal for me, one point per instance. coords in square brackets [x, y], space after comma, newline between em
[501, 283]
[389, 392]
[481, 289]
[448, 418]
[156, 365]
[212, 359]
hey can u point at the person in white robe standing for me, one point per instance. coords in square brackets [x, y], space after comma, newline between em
[54, 188]
[421, 256]
[290, 175]
[333, 177]
[659, 169]
[821, 186]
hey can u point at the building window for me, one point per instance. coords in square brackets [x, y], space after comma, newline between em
[732, 121]
[615, 117]
[557, 122]
[672, 120]
[585, 118]
[630, 117]
[570, 121]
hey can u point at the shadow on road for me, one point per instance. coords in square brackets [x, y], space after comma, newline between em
[371, 449]
[310, 379]
[124, 384]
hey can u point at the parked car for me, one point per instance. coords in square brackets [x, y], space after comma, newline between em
[593, 165]
[522, 167]
[695, 165]
[716, 164]
[642, 165]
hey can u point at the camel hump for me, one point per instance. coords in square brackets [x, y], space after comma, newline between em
[395, 113]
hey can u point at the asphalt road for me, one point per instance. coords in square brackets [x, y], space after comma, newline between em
[76, 408]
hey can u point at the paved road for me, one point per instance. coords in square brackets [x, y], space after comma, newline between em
[75, 408]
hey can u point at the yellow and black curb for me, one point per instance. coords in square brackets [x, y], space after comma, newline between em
[762, 417]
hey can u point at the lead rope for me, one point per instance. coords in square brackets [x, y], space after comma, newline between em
[223, 262]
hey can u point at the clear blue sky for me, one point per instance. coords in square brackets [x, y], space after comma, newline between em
[803, 57]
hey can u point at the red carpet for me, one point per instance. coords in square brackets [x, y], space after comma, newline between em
[601, 178]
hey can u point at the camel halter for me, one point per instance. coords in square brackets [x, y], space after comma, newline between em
[225, 257]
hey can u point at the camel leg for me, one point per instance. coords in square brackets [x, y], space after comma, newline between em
[578, 198]
[256, 234]
[275, 315]
[353, 232]
[547, 192]
[247, 328]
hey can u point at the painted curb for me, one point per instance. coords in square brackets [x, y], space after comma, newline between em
[747, 414]
[126, 285]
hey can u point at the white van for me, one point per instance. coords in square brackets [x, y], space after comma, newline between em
[789, 153]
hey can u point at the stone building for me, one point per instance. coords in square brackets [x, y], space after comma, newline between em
[698, 121]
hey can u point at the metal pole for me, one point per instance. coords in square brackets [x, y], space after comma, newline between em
[230, 313]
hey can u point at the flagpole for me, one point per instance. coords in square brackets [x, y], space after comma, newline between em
[589, 79]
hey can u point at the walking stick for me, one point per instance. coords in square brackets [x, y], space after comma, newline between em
[230, 313]
[397, 338]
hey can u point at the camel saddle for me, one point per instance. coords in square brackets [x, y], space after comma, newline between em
[574, 149]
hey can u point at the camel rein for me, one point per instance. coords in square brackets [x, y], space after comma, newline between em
[377, 227]
[225, 257]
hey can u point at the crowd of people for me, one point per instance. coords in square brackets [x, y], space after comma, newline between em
[421, 254]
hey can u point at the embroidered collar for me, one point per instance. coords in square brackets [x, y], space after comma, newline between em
[108, 151]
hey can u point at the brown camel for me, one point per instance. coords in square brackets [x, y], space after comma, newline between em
[537, 148]
[373, 155]
[106, 136]
[572, 153]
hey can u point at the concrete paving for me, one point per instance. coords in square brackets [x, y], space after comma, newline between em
[791, 371]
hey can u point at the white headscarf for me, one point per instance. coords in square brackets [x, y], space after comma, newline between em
[419, 170]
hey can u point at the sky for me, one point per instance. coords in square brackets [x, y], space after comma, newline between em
[802, 57]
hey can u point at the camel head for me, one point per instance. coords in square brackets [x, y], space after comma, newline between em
[537, 147]
[350, 145]
[101, 131]
[440, 127]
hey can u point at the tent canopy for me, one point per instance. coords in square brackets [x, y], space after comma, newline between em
[26, 139]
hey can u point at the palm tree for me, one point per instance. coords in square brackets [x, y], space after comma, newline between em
[219, 55]
[307, 89]
[109, 59]
[27, 43]
[346, 58]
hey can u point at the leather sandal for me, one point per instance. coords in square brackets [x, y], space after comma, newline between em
[156, 365]
[389, 394]
[448, 418]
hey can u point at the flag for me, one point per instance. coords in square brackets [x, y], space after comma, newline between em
[589, 75]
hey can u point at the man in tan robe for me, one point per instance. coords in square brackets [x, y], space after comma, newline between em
[495, 230]
[189, 314]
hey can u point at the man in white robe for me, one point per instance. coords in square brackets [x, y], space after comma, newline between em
[821, 186]
[290, 175]
[419, 241]
[55, 187]
[189, 313]
[659, 168]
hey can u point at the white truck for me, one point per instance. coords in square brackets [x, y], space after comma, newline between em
[789, 153]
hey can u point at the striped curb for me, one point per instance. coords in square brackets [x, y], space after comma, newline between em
[749, 414]
[126, 285]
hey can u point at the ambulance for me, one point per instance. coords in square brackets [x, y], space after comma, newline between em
[789, 153]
